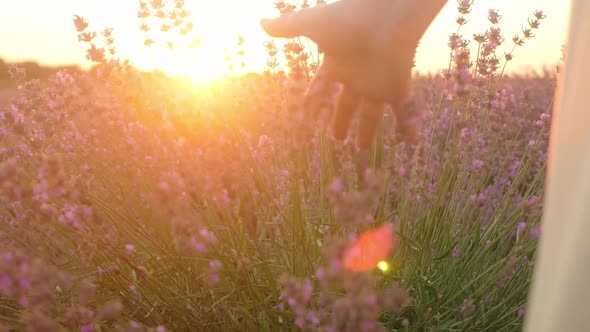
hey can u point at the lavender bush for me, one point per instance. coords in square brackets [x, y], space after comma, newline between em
[130, 201]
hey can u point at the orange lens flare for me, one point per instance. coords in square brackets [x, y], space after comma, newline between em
[370, 248]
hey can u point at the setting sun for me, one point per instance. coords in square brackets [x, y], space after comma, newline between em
[208, 51]
[226, 40]
[202, 65]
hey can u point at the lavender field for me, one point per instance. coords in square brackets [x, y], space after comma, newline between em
[132, 201]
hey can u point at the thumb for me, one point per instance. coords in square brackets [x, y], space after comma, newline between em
[288, 26]
[337, 28]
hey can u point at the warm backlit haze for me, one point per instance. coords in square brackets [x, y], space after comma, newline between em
[42, 31]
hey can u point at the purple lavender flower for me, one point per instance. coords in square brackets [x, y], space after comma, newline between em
[477, 164]
[87, 328]
[337, 186]
[130, 249]
[456, 252]
[535, 233]
[520, 227]
[468, 307]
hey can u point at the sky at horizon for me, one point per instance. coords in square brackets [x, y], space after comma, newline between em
[42, 31]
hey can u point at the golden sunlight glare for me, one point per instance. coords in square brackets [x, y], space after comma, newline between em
[202, 65]
[383, 266]
[219, 29]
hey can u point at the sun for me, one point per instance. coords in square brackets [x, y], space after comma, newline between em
[230, 42]
[203, 62]
[203, 65]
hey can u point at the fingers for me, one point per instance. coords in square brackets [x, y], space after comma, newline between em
[371, 118]
[348, 103]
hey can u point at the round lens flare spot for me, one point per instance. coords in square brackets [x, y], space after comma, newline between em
[383, 266]
[370, 249]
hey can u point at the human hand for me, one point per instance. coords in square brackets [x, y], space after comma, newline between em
[369, 47]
